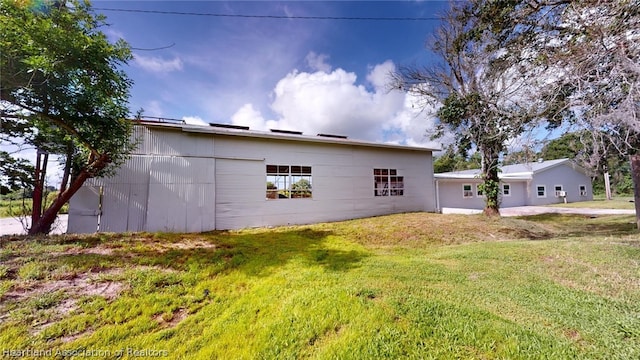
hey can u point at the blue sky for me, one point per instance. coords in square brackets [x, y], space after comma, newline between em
[309, 75]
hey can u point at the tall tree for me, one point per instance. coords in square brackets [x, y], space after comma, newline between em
[482, 92]
[591, 49]
[63, 86]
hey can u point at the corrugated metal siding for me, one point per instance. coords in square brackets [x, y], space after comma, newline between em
[181, 194]
[177, 185]
[83, 210]
[240, 193]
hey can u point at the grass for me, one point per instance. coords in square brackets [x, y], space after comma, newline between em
[416, 285]
[15, 208]
[619, 202]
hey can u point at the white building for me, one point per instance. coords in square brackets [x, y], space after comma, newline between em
[536, 183]
[186, 178]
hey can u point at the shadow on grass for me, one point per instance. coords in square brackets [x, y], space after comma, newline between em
[573, 225]
[256, 253]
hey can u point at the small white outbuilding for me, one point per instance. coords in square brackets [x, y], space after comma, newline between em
[534, 183]
[187, 178]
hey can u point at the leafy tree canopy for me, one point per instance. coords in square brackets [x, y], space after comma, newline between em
[62, 88]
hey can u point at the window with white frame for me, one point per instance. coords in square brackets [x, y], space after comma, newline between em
[559, 191]
[387, 182]
[288, 182]
[479, 192]
[541, 191]
[467, 191]
[506, 189]
[582, 190]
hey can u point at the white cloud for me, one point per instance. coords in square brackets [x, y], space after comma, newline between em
[194, 120]
[333, 102]
[158, 65]
[317, 62]
[379, 75]
[153, 108]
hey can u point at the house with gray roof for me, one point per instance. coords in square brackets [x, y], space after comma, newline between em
[190, 178]
[534, 183]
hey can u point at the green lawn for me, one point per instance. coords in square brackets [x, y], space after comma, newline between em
[620, 202]
[17, 208]
[422, 286]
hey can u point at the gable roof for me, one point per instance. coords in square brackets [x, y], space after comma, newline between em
[524, 171]
[216, 129]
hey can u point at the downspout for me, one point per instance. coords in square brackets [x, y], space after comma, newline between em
[438, 210]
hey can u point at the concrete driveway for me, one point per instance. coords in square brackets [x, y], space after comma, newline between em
[13, 226]
[535, 210]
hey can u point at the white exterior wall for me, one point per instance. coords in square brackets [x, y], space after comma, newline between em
[564, 175]
[191, 182]
[519, 193]
[523, 192]
[342, 178]
[450, 194]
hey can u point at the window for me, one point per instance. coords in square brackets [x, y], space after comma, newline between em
[386, 182]
[479, 193]
[583, 190]
[558, 190]
[466, 191]
[288, 182]
[541, 191]
[506, 189]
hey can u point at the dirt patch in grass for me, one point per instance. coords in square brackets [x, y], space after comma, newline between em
[172, 319]
[87, 284]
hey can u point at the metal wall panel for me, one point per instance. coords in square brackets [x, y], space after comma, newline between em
[176, 143]
[175, 184]
[181, 194]
[240, 193]
[115, 207]
[84, 210]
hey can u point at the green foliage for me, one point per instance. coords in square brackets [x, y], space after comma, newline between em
[66, 87]
[16, 173]
[491, 190]
[453, 160]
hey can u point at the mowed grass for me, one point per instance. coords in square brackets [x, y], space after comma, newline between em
[422, 286]
[620, 202]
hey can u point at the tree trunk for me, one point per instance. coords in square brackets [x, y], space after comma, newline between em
[43, 225]
[635, 175]
[67, 168]
[491, 181]
[36, 204]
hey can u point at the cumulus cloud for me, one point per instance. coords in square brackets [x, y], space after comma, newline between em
[194, 120]
[317, 62]
[158, 65]
[333, 102]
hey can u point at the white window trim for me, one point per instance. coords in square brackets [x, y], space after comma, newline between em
[389, 190]
[555, 192]
[584, 192]
[289, 181]
[470, 189]
[477, 191]
[544, 187]
[509, 185]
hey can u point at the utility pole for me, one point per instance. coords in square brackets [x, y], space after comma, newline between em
[607, 185]
[635, 175]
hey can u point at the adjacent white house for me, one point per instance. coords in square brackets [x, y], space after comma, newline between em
[536, 183]
[186, 178]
